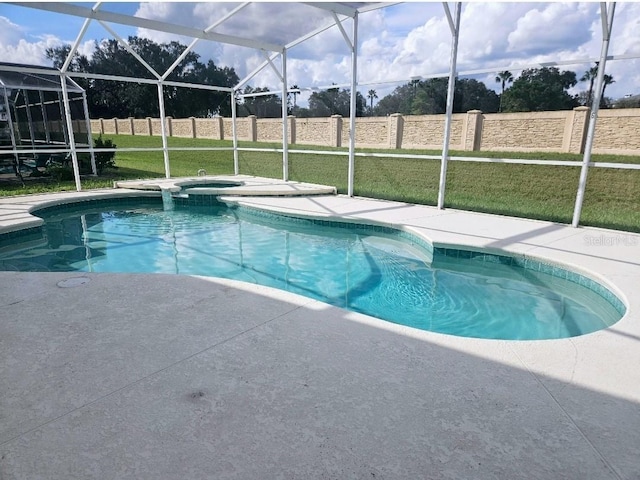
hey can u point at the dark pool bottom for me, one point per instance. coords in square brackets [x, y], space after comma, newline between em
[374, 270]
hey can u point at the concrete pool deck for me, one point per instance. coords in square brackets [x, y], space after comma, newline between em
[158, 376]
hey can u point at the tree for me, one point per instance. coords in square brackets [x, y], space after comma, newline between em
[108, 98]
[399, 101]
[590, 76]
[540, 89]
[334, 101]
[431, 97]
[471, 94]
[371, 95]
[262, 106]
[503, 77]
[425, 97]
[608, 80]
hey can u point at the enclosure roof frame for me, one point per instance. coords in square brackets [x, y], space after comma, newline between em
[270, 50]
[36, 71]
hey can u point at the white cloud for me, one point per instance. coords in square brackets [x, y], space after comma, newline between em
[544, 29]
[16, 48]
[10, 33]
[485, 28]
[270, 22]
[626, 30]
[32, 53]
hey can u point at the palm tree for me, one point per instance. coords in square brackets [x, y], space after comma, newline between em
[590, 76]
[372, 94]
[608, 80]
[504, 78]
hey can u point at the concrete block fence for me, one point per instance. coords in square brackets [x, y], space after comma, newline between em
[617, 131]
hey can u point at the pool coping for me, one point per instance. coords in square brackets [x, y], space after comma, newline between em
[600, 363]
[247, 186]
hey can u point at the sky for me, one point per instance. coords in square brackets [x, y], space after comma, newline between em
[395, 43]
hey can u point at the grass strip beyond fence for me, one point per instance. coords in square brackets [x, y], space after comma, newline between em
[612, 198]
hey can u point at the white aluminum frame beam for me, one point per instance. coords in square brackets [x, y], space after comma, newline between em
[72, 140]
[273, 67]
[87, 120]
[267, 93]
[163, 130]
[65, 132]
[150, 81]
[312, 34]
[352, 105]
[32, 135]
[234, 132]
[256, 70]
[51, 72]
[334, 7]
[285, 129]
[75, 45]
[75, 10]
[376, 6]
[195, 41]
[45, 118]
[198, 86]
[79, 38]
[454, 25]
[607, 24]
[129, 49]
[342, 30]
[12, 132]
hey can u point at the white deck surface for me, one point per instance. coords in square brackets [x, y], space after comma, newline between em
[116, 376]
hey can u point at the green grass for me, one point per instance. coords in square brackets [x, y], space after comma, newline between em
[612, 198]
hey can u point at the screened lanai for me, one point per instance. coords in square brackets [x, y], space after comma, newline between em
[40, 117]
[274, 45]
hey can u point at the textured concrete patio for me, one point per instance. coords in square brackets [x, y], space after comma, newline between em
[112, 376]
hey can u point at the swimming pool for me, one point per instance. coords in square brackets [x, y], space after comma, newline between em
[370, 269]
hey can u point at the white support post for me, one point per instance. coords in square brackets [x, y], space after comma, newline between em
[455, 34]
[285, 129]
[29, 119]
[352, 106]
[89, 136]
[607, 24]
[11, 130]
[163, 130]
[72, 140]
[45, 118]
[234, 131]
[65, 133]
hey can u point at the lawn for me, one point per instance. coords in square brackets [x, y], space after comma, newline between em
[612, 198]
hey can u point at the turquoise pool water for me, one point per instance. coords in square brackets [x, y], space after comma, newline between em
[374, 272]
